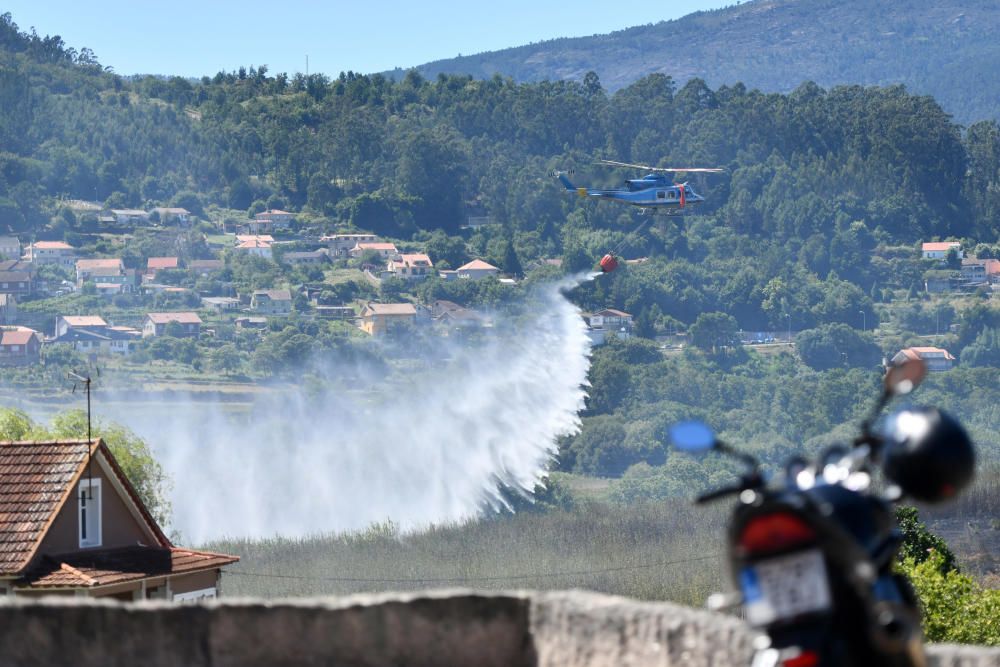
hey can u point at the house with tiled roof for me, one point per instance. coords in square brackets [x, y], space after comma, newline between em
[171, 214]
[271, 301]
[154, 264]
[130, 216]
[477, 269]
[936, 358]
[16, 282]
[340, 244]
[253, 245]
[92, 336]
[265, 222]
[19, 346]
[155, 324]
[379, 318]
[611, 318]
[100, 270]
[410, 266]
[51, 252]
[385, 250]
[72, 524]
[67, 323]
[939, 249]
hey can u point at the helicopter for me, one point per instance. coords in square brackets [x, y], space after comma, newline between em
[654, 192]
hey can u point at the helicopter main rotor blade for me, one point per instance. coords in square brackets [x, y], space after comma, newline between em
[704, 170]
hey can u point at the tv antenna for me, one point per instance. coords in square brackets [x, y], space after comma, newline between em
[86, 381]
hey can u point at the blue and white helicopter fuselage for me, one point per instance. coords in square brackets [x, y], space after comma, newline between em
[653, 192]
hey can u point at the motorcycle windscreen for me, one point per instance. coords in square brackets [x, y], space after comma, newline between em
[785, 587]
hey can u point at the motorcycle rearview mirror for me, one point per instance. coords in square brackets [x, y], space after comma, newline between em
[692, 436]
[901, 379]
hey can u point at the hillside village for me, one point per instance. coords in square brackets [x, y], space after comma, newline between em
[231, 281]
[98, 303]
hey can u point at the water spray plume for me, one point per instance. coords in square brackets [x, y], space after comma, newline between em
[432, 448]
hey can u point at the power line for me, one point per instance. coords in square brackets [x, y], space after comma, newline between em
[454, 580]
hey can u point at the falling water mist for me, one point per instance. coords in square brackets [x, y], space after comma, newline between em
[438, 447]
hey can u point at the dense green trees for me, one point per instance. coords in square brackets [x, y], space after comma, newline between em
[837, 345]
[818, 182]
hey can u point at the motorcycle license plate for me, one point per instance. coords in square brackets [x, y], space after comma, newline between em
[784, 587]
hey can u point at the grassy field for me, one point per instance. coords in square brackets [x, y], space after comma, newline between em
[652, 552]
[665, 551]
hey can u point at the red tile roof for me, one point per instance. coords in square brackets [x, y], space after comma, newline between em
[161, 263]
[253, 243]
[477, 265]
[87, 569]
[37, 479]
[51, 245]
[17, 335]
[941, 245]
[613, 312]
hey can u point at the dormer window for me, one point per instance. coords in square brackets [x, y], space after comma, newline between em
[89, 499]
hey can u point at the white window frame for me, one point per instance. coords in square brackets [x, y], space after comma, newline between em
[92, 502]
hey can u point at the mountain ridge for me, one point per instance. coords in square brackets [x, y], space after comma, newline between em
[944, 49]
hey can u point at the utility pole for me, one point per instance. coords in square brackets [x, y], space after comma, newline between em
[864, 323]
[86, 380]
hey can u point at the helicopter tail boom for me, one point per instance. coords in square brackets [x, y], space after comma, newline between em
[566, 182]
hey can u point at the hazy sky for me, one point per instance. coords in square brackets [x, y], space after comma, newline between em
[191, 38]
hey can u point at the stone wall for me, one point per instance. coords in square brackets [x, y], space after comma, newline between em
[565, 629]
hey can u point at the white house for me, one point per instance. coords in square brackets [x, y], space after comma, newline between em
[130, 216]
[385, 250]
[88, 269]
[612, 319]
[271, 301]
[416, 266]
[52, 252]
[169, 215]
[939, 250]
[476, 269]
[255, 246]
[936, 358]
[341, 244]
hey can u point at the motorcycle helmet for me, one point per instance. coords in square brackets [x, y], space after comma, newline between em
[928, 454]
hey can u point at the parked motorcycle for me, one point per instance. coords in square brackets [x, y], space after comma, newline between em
[812, 555]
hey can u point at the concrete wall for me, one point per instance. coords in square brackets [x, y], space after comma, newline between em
[566, 629]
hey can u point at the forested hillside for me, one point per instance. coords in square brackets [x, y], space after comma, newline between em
[813, 227]
[945, 49]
